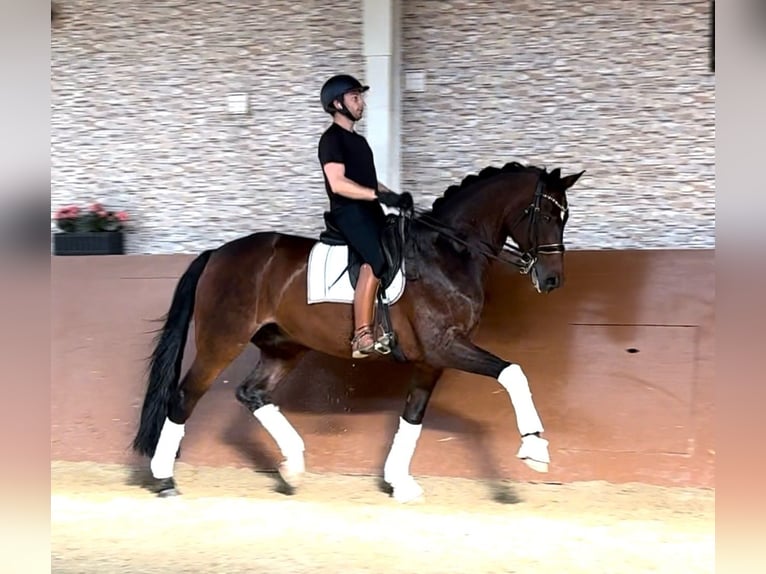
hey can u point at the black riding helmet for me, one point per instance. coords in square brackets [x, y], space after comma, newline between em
[334, 89]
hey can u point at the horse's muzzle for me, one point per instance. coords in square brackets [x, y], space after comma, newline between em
[551, 282]
[547, 283]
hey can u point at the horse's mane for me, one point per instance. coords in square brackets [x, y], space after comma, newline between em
[472, 179]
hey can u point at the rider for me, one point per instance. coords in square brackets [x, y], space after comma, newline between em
[355, 195]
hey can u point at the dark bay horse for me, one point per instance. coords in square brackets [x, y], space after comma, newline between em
[253, 289]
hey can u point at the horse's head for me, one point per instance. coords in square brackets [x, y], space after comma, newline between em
[522, 204]
[538, 229]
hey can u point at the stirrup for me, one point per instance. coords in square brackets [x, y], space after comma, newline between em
[383, 341]
[357, 350]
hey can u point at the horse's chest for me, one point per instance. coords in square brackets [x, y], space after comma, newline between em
[451, 307]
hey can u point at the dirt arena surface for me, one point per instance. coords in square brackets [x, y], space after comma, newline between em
[236, 520]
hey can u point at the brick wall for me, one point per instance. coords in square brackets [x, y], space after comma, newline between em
[139, 113]
[620, 89]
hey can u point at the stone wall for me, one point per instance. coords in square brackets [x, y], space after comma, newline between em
[139, 113]
[620, 89]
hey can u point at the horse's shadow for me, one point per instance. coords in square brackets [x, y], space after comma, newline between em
[141, 476]
[340, 387]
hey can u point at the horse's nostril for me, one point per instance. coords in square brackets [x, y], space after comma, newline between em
[552, 281]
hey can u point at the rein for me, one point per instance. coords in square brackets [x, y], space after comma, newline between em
[523, 260]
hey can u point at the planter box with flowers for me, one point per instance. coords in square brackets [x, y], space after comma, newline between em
[96, 231]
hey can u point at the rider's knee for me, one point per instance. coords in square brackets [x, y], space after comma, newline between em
[367, 269]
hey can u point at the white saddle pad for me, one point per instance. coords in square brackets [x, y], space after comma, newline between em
[326, 263]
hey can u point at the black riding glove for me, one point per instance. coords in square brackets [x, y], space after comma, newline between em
[401, 201]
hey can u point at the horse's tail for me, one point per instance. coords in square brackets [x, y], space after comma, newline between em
[165, 362]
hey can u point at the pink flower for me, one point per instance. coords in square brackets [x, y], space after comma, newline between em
[97, 217]
[66, 212]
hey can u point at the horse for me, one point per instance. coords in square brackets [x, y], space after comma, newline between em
[253, 289]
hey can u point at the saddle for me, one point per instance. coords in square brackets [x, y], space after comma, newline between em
[392, 243]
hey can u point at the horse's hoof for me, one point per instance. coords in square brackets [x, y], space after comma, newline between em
[291, 474]
[407, 491]
[534, 453]
[166, 487]
[168, 493]
[536, 465]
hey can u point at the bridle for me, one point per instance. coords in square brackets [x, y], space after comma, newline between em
[523, 260]
[527, 259]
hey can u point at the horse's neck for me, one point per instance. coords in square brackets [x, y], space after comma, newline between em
[481, 214]
[478, 218]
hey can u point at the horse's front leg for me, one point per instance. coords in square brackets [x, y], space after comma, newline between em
[465, 356]
[396, 471]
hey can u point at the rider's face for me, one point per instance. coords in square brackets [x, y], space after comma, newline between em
[355, 103]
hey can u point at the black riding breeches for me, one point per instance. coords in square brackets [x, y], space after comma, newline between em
[362, 225]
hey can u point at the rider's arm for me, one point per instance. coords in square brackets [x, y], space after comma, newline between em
[382, 187]
[340, 184]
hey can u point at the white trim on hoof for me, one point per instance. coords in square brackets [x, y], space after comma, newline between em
[534, 452]
[167, 447]
[396, 470]
[288, 440]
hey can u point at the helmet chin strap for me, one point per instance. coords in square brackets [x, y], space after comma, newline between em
[345, 111]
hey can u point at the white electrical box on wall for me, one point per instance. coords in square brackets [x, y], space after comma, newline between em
[238, 103]
[415, 81]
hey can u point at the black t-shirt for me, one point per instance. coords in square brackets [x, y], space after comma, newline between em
[338, 145]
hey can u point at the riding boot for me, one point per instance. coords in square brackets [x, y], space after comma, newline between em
[363, 342]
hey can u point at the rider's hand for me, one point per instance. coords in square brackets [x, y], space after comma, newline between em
[406, 203]
[401, 201]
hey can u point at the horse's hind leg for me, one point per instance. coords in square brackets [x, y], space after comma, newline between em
[207, 365]
[396, 471]
[278, 358]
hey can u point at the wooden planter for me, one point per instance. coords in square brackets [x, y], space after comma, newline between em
[89, 243]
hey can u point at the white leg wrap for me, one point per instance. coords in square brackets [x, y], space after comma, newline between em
[284, 434]
[396, 471]
[515, 382]
[534, 449]
[287, 438]
[167, 447]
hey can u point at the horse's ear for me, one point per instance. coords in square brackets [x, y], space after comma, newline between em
[555, 174]
[570, 180]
